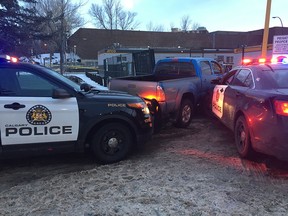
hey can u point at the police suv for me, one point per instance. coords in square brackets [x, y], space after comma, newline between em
[43, 111]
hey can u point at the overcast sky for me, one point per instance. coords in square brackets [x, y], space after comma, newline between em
[215, 15]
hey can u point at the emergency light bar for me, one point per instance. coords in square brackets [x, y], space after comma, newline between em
[264, 61]
[7, 58]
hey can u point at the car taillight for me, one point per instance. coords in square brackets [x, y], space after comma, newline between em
[281, 107]
[160, 95]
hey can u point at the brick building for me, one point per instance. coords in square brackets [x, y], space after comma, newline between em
[87, 43]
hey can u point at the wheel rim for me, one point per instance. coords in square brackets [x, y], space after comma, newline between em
[186, 114]
[112, 142]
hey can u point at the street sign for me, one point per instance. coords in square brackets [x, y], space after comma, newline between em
[280, 44]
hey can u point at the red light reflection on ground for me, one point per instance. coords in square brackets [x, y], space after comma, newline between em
[227, 161]
[237, 163]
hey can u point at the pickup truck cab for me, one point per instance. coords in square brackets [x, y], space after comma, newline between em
[42, 111]
[174, 90]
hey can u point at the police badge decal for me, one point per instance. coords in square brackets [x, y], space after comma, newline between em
[38, 115]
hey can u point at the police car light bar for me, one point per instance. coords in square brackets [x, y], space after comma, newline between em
[7, 58]
[13, 59]
[263, 61]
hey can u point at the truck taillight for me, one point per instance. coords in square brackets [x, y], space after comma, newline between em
[160, 95]
[281, 107]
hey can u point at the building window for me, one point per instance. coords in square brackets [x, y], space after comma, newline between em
[121, 58]
[229, 59]
[220, 58]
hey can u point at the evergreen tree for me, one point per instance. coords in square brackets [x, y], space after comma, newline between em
[19, 25]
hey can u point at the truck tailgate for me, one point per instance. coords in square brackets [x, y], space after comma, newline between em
[144, 89]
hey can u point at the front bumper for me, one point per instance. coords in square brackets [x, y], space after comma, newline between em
[144, 136]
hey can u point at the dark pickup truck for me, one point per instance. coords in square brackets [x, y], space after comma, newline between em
[176, 87]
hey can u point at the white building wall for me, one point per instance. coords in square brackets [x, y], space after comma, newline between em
[158, 56]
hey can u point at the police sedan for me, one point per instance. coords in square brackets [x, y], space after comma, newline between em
[252, 100]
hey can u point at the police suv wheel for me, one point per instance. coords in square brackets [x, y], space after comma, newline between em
[112, 143]
[185, 114]
[242, 138]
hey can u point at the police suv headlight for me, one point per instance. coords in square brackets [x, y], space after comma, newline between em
[140, 105]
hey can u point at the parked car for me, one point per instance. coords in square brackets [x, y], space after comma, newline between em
[42, 111]
[252, 100]
[81, 78]
[174, 90]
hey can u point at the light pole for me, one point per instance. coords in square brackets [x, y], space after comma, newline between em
[75, 46]
[243, 51]
[274, 17]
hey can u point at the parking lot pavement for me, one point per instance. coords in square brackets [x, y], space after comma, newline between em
[193, 171]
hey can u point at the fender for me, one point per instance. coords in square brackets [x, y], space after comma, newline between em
[100, 120]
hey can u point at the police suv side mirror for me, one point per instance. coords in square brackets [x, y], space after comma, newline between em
[60, 94]
[216, 81]
[86, 87]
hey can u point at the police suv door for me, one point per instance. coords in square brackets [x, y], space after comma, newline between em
[28, 112]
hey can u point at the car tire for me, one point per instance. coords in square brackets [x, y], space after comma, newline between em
[185, 114]
[112, 143]
[242, 138]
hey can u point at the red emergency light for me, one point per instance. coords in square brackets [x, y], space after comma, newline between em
[13, 59]
[277, 60]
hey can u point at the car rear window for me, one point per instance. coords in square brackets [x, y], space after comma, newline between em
[178, 69]
[273, 79]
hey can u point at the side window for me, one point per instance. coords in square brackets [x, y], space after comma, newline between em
[205, 68]
[216, 68]
[249, 81]
[243, 78]
[229, 77]
[186, 69]
[24, 84]
[9, 85]
[32, 85]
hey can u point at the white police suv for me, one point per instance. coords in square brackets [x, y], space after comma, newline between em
[43, 111]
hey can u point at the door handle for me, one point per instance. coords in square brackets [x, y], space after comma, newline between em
[14, 106]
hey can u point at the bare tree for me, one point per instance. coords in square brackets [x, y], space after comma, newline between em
[111, 15]
[185, 23]
[63, 18]
[195, 26]
[126, 20]
[151, 27]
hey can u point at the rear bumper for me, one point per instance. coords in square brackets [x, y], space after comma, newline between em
[272, 140]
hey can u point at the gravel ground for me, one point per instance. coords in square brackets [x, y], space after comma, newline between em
[194, 171]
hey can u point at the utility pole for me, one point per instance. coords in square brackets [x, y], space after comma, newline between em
[62, 38]
[266, 29]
